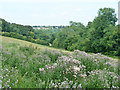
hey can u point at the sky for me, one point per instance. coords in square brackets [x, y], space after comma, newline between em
[52, 12]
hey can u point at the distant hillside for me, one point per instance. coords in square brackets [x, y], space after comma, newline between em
[28, 33]
[48, 27]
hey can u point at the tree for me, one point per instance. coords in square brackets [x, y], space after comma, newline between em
[110, 40]
[106, 17]
[107, 14]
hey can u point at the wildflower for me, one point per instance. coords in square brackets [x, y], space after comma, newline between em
[71, 82]
[75, 68]
[74, 76]
[55, 64]
[83, 66]
[75, 85]
[0, 81]
[53, 84]
[24, 56]
[6, 75]
[16, 81]
[6, 69]
[7, 85]
[0, 86]
[56, 86]
[8, 80]
[41, 69]
[79, 86]
[83, 75]
[48, 66]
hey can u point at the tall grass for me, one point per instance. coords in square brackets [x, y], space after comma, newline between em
[28, 66]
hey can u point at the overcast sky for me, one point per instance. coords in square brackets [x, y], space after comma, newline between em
[52, 12]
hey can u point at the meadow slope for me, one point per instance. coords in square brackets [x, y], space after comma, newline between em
[28, 65]
[10, 40]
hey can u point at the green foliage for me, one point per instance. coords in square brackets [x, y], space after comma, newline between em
[28, 67]
[17, 31]
[101, 35]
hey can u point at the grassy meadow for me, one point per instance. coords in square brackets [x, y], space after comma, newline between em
[29, 65]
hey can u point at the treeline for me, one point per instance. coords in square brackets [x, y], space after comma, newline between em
[27, 33]
[99, 36]
[17, 31]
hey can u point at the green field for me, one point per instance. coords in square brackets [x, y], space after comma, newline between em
[29, 65]
[18, 42]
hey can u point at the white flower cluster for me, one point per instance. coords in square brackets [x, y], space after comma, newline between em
[107, 78]
[8, 77]
[72, 66]
[64, 84]
[51, 66]
[41, 69]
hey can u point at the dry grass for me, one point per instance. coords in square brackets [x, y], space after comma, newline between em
[4, 40]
